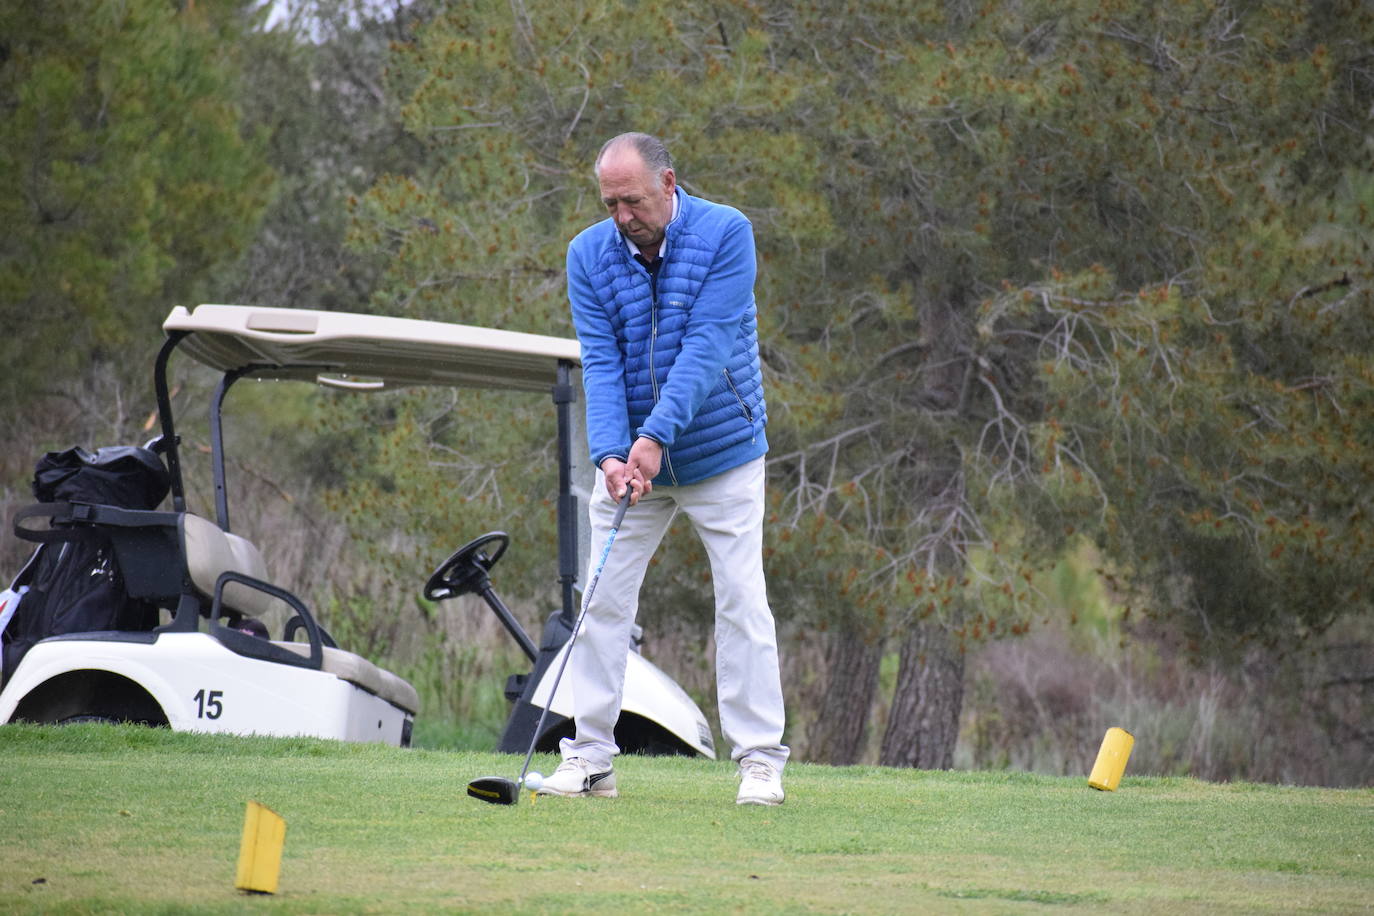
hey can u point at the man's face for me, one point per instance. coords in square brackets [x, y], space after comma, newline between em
[640, 202]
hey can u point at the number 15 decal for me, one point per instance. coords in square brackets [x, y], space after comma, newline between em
[208, 705]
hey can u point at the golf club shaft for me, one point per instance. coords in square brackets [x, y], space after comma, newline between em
[577, 627]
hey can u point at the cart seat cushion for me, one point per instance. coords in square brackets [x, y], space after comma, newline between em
[359, 671]
[211, 552]
[247, 559]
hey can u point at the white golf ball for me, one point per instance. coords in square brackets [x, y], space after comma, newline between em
[533, 781]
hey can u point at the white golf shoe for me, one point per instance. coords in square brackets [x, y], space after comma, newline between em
[760, 783]
[575, 778]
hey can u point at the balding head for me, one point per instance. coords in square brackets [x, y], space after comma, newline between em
[651, 151]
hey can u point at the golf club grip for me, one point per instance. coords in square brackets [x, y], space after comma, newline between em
[624, 504]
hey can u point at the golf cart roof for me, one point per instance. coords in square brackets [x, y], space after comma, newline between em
[365, 352]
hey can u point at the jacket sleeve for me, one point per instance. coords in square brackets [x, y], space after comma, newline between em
[603, 367]
[712, 329]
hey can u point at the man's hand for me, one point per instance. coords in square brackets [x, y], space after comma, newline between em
[646, 457]
[619, 476]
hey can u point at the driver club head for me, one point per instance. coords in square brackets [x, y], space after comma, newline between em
[495, 790]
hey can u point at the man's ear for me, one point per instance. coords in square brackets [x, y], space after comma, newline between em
[669, 181]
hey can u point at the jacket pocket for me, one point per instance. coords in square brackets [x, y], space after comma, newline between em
[744, 408]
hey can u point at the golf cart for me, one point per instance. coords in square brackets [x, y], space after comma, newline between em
[204, 668]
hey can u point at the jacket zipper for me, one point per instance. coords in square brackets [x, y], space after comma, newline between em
[744, 408]
[748, 414]
[653, 373]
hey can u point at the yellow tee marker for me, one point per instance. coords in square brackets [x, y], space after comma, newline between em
[1111, 759]
[264, 833]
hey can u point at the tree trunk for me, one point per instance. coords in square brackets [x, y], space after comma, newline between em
[923, 725]
[852, 660]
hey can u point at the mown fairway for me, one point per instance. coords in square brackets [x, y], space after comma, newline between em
[105, 819]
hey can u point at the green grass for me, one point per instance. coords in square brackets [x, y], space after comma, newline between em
[121, 819]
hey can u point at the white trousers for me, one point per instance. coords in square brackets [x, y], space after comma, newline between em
[726, 512]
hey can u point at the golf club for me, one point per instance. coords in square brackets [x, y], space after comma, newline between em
[498, 790]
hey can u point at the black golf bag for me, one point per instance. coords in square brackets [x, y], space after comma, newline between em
[72, 583]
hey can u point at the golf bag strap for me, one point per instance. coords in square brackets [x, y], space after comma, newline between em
[57, 514]
[73, 521]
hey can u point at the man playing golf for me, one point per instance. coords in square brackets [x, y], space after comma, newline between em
[662, 297]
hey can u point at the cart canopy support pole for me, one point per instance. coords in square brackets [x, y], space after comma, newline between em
[563, 397]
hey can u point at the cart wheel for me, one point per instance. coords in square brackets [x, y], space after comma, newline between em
[77, 720]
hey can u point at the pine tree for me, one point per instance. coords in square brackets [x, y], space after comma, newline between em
[126, 179]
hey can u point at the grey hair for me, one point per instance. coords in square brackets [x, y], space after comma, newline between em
[649, 147]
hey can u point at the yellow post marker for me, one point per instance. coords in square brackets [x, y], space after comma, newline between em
[264, 833]
[1111, 760]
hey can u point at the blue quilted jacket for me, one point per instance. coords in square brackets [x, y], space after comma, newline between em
[673, 357]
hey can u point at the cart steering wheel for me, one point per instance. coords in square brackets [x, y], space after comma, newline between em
[466, 571]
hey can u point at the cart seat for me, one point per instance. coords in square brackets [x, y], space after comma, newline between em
[210, 552]
[362, 673]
